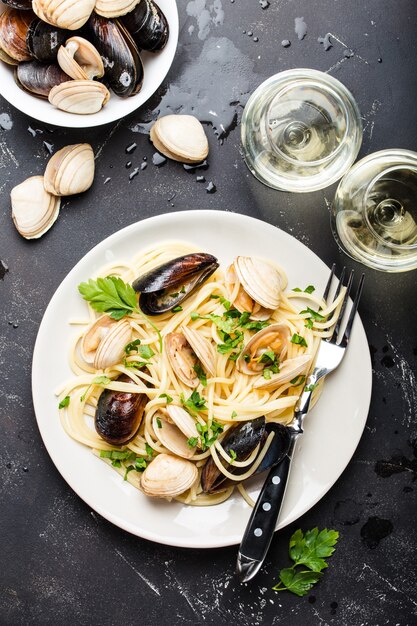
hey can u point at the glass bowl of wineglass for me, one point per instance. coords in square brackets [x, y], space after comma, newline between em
[301, 131]
[374, 213]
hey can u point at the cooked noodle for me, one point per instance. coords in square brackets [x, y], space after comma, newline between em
[230, 396]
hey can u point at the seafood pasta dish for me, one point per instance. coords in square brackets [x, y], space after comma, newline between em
[180, 366]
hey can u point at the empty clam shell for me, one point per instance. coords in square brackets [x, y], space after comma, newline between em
[203, 349]
[171, 436]
[34, 210]
[182, 358]
[80, 59]
[260, 280]
[273, 338]
[79, 96]
[70, 170]
[288, 370]
[64, 13]
[181, 138]
[104, 342]
[183, 420]
[114, 8]
[168, 476]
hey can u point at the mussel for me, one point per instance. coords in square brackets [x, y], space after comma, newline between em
[119, 414]
[14, 25]
[39, 79]
[44, 40]
[242, 439]
[168, 285]
[122, 63]
[148, 26]
[22, 5]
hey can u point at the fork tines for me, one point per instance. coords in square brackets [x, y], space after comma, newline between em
[345, 338]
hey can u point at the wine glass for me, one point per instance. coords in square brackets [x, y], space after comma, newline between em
[374, 213]
[301, 131]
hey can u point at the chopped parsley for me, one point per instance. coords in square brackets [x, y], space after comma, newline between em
[192, 442]
[233, 415]
[203, 431]
[195, 402]
[119, 458]
[299, 340]
[298, 380]
[98, 380]
[308, 289]
[149, 450]
[313, 315]
[134, 364]
[167, 397]
[311, 387]
[146, 352]
[159, 423]
[233, 456]
[176, 309]
[200, 374]
[65, 402]
[132, 346]
[267, 373]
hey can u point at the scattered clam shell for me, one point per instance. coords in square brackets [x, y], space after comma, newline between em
[180, 137]
[70, 170]
[67, 14]
[80, 59]
[79, 96]
[34, 209]
[114, 8]
[168, 476]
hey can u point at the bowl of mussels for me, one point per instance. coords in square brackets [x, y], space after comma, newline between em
[84, 63]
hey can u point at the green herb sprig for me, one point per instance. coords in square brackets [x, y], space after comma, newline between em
[113, 296]
[98, 380]
[309, 553]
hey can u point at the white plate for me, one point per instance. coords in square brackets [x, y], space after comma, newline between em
[333, 428]
[156, 66]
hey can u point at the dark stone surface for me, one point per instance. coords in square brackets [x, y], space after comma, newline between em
[62, 563]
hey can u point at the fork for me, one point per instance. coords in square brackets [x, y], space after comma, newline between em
[261, 526]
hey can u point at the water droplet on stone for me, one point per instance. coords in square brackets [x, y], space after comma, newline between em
[143, 166]
[379, 60]
[133, 173]
[256, 39]
[300, 27]
[128, 165]
[211, 187]
[285, 43]
[15, 325]
[108, 179]
[326, 41]
[158, 159]
[250, 33]
[264, 4]
[49, 147]
[3, 269]
[131, 148]
[201, 179]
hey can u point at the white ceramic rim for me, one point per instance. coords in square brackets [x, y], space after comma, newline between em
[156, 67]
[333, 428]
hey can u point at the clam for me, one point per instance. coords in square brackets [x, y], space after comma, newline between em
[44, 40]
[22, 5]
[80, 59]
[119, 414]
[69, 14]
[181, 138]
[186, 351]
[79, 96]
[114, 8]
[257, 353]
[104, 342]
[168, 476]
[243, 440]
[168, 285]
[148, 26]
[123, 65]
[14, 26]
[174, 427]
[34, 210]
[288, 370]
[260, 286]
[70, 170]
[38, 79]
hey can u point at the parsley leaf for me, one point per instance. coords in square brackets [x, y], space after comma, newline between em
[233, 456]
[149, 450]
[158, 421]
[167, 397]
[64, 402]
[195, 402]
[309, 551]
[315, 315]
[177, 309]
[134, 364]
[98, 380]
[298, 380]
[233, 415]
[192, 442]
[298, 340]
[267, 373]
[200, 374]
[203, 431]
[132, 346]
[308, 289]
[311, 387]
[146, 352]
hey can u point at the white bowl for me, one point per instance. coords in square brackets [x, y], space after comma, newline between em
[156, 66]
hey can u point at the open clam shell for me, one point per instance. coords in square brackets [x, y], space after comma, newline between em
[182, 359]
[171, 436]
[274, 337]
[202, 348]
[79, 96]
[183, 420]
[80, 59]
[181, 138]
[288, 370]
[168, 476]
[114, 8]
[243, 302]
[70, 170]
[67, 14]
[104, 342]
[260, 280]
[34, 210]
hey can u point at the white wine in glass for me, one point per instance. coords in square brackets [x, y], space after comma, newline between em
[375, 211]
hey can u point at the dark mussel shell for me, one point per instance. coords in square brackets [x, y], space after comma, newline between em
[14, 25]
[119, 414]
[122, 63]
[38, 79]
[43, 40]
[22, 5]
[147, 25]
[169, 284]
[242, 439]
